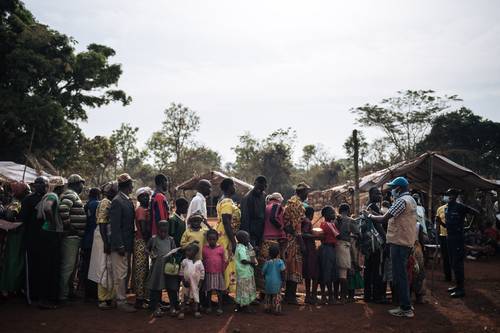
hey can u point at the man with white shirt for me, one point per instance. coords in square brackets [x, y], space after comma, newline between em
[199, 202]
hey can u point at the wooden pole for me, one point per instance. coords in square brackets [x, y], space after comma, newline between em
[429, 214]
[356, 171]
[29, 153]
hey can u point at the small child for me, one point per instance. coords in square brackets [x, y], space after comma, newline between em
[192, 273]
[246, 291]
[310, 258]
[274, 275]
[158, 247]
[215, 262]
[194, 233]
[327, 257]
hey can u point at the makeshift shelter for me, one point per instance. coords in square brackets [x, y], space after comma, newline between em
[430, 173]
[10, 171]
[187, 189]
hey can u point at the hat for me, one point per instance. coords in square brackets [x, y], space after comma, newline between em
[399, 181]
[123, 178]
[56, 181]
[75, 178]
[143, 190]
[452, 191]
[109, 186]
[41, 180]
[302, 186]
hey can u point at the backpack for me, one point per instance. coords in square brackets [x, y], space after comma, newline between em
[370, 240]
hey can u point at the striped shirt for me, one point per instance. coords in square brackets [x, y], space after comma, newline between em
[72, 213]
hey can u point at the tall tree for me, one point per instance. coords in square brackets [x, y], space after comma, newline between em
[406, 118]
[46, 88]
[349, 146]
[125, 141]
[467, 139]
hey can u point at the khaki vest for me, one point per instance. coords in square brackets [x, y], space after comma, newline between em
[401, 229]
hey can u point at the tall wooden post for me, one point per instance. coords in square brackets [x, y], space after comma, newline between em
[430, 191]
[356, 171]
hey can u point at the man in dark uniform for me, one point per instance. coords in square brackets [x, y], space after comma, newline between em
[455, 219]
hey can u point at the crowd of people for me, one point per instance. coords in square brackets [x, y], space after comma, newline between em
[259, 247]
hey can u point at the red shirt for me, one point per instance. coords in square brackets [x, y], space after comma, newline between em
[214, 259]
[159, 210]
[141, 214]
[330, 232]
[492, 233]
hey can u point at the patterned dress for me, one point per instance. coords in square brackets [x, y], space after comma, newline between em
[294, 214]
[227, 206]
[245, 286]
[140, 266]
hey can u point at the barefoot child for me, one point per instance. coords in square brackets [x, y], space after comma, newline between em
[158, 247]
[192, 274]
[310, 258]
[245, 279]
[215, 262]
[274, 276]
[327, 254]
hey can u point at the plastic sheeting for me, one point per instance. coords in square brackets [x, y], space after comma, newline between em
[10, 171]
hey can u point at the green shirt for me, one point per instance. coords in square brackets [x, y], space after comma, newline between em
[47, 225]
[176, 228]
[242, 270]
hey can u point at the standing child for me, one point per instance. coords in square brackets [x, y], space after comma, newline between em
[158, 247]
[274, 276]
[246, 291]
[140, 265]
[346, 227]
[194, 233]
[327, 254]
[192, 274]
[215, 262]
[310, 262]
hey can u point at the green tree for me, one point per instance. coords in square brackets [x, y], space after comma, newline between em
[125, 141]
[46, 88]
[467, 139]
[406, 118]
[271, 157]
[96, 160]
[308, 153]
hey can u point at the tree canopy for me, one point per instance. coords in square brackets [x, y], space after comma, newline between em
[45, 84]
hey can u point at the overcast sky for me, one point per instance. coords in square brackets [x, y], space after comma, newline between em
[260, 65]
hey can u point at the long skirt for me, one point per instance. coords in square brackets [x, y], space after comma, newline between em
[100, 268]
[140, 268]
[293, 258]
[230, 271]
[12, 273]
[327, 261]
[246, 291]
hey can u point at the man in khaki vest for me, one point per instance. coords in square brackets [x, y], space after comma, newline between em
[401, 237]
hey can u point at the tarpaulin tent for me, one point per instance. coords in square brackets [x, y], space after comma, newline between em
[431, 173]
[10, 171]
[215, 177]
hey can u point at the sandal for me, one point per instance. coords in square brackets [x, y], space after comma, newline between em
[158, 313]
[197, 315]
[219, 312]
[180, 316]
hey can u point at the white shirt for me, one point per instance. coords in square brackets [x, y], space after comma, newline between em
[421, 218]
[198, 205]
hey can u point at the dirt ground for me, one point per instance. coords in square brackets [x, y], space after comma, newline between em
[478, 312]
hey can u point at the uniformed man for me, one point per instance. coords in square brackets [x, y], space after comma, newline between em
[455, 215]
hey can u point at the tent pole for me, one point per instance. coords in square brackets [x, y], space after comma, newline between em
[429, 214]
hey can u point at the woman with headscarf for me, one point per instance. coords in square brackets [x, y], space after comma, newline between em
[229, 217]
[140, 267]
[12, 267]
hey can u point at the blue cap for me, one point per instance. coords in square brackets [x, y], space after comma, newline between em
[399, 181]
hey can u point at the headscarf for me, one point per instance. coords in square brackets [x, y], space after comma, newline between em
[275, 196]
[143, 190]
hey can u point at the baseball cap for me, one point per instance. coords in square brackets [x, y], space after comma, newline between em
[302, 186]
[399, 181]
